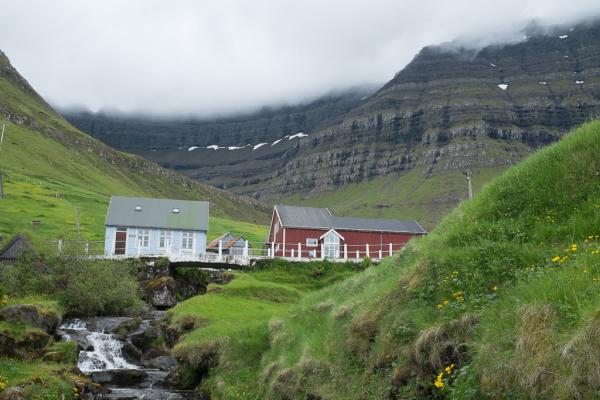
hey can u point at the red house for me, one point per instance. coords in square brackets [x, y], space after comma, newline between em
[305, 232]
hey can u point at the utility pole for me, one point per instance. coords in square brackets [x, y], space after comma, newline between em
[1, 180]
[468, 173]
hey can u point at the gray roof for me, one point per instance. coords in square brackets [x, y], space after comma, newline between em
[308, 217]
[157, 213]
[376, 224]
[304, 217]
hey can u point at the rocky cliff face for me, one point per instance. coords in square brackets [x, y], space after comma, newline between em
[450, 109]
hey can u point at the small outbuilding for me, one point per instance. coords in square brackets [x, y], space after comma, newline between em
[231, 245]
[137, 226]
[307, 232]
[13, 249]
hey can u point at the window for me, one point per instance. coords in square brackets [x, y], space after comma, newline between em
[164, 239]
[311, 242]
[187, 241]
[143, 238]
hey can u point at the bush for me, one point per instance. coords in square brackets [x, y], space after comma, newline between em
[82, 286]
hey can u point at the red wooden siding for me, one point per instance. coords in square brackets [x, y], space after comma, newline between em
[355, 240]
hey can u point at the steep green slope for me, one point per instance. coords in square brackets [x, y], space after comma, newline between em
[57, 175]
[499, 301]
[403, 196]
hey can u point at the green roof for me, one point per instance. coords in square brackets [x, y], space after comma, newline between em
[157, 213]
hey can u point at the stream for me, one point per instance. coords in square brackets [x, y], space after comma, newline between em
[114, 352]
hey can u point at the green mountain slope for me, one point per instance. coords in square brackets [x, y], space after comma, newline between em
[57, 175]
[452, 108]
[501, 300]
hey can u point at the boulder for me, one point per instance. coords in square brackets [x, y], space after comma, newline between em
[7, 344]
[153, 269]
[12, 393]
[158, 359]
[32, 342]
[143, 340]
[131, 353]
[128, 326]
[31, 314]
[160, 292]
[120, 377]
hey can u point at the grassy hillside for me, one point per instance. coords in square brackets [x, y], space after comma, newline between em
[499, 301]
[412, 195]
[57, 175]
[233, 318]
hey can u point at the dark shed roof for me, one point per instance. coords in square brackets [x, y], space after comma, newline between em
[13, 248]
[157, 213]
[309, 217]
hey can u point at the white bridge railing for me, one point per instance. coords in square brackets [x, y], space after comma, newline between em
[246, 255]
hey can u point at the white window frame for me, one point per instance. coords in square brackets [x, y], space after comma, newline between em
[312, 242]
[186, 236]
[143, 238]
[164, 237]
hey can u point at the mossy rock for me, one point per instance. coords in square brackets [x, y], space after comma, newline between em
[34, 315]
[160, 292]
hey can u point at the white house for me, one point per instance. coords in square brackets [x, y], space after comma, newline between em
[138, 227]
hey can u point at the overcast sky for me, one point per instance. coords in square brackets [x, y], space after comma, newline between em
[208, 57]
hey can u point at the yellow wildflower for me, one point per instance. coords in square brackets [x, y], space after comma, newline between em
[439, 383]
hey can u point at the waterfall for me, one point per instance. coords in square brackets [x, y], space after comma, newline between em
[107, 354]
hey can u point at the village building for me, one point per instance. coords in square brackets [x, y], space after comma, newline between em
[230, 245]
[306, 232]
[13, 249]
[137, 227]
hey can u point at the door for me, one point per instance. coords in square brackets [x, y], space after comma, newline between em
[332, 245]
[120, 241]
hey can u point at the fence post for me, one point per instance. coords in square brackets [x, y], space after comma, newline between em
[367, 250]
[272, 249]
[345, 251]
[322, 252]
[299, 250]
[60, 246]
[220, 250]
[269, 252]
[357, 254]
[391, 251]
[293, 253]
[87, 247]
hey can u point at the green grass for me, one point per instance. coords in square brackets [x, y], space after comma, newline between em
[411, 195]
[483, 291]
[236, 314]
[56, 175]
[40, 380]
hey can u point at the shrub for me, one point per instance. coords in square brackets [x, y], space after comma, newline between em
[83, 287]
